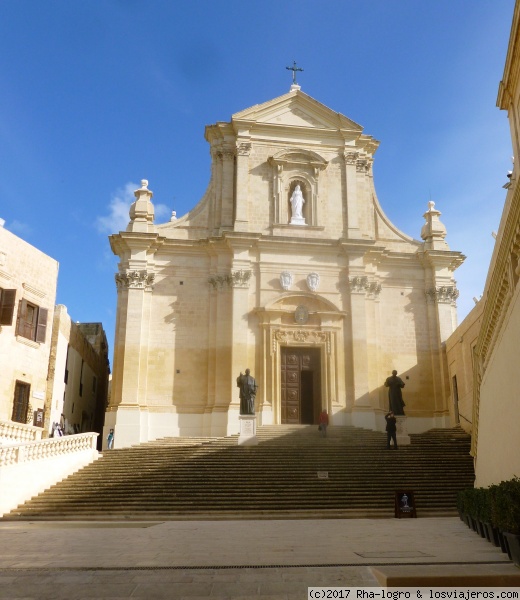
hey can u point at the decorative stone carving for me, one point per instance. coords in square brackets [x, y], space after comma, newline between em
[135, 280]
[351, 157]
[244, 149]
[444, 294]
[234, 279]
[358, 284]
[373, 288]
[240, 279]
[228, 154]
[301, 315]
[286, 280]
[362, 165]
[299, 336]
[313, 281]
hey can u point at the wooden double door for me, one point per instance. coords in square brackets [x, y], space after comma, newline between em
[300, 385]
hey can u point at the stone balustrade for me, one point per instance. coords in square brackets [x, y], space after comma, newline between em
[29, 468]
[49, 448]
[19, 432]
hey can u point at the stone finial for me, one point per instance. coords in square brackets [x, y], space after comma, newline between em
[433, 231]
[142, 210]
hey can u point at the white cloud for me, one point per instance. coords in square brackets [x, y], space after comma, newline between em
[21, 229]
[119, 206]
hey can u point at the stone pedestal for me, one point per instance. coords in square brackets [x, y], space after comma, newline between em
[298, 221]
[247, 435]
[403, 439]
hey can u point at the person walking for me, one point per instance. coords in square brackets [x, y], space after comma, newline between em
[110, 439]
[391, 430]
[324, 422]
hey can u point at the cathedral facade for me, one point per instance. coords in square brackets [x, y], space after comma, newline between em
[287, 266]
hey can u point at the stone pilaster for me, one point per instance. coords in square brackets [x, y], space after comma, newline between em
[359, 330]
[228, 184]
[242, 187]
[351, 158]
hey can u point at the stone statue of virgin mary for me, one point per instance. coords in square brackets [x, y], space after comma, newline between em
[297, 201]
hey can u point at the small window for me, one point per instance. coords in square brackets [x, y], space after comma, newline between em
[7, 300]
[32, 321]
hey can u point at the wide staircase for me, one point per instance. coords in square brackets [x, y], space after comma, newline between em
[292, 473]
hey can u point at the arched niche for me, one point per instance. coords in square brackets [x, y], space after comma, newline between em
[290, 168]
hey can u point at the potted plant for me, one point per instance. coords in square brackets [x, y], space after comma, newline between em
[482, 510]
[505, 514]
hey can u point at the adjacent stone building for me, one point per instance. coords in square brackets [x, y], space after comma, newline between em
[320, 295]
[496, 443]
[78, 375]
[28, 280]
[52, 369]
[460, 352]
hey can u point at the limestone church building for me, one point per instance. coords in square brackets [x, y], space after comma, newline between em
[315, 291]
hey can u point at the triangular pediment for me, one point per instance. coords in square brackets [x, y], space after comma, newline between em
[296, 109]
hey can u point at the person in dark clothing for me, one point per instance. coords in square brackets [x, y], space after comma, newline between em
[391, 429]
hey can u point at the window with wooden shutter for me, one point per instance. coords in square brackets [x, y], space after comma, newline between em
[41, 328]
[7, 300]
[32, 321]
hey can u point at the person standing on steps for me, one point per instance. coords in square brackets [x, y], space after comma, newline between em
[324, 422]
[110, 439]
[391, 430]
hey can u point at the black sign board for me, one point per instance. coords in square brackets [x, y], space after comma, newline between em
[405, 504]
[38, 418]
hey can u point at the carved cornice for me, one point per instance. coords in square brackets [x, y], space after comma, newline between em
[141, 280]
[443, 294]
[34, 291]
[234, 279]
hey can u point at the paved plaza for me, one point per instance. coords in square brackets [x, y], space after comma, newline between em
[275, 559]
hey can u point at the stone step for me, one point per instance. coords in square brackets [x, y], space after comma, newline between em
[179, 477]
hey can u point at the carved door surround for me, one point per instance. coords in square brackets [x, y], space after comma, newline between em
[291, 167]
[323, 330]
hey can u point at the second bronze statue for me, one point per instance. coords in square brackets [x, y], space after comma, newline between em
[248, 387]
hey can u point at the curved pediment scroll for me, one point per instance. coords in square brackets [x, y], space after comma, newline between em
[298, 157]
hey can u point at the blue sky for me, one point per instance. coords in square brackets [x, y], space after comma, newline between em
[99, 94]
